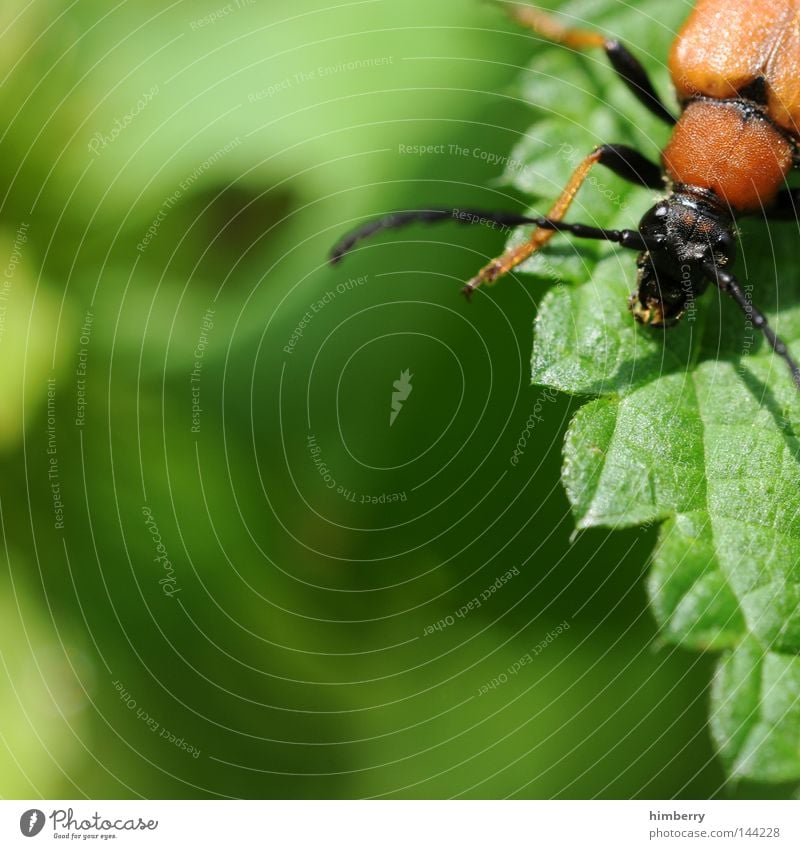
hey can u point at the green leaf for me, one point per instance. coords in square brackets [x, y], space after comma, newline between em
[696, 427]
[755, 713]
[698, 444]
[690, 594]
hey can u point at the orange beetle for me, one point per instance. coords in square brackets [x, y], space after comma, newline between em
[736, 69]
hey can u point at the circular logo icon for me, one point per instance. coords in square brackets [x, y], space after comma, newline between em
[31, 822]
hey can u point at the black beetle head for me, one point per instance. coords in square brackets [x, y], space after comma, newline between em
[684, 232]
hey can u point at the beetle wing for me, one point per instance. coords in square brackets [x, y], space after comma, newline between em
[784, 76]
[726, 45]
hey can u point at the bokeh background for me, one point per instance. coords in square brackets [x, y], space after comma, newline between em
[225, 573]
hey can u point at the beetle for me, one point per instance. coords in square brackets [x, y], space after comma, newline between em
[735, 66]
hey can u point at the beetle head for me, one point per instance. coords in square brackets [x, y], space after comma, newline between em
[688, 229]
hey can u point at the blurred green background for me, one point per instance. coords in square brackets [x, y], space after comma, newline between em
[173, 176]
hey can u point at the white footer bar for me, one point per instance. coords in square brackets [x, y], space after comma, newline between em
[387, 824]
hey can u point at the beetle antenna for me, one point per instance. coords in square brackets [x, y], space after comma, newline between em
[506, 220]
[395, 220]
[726, 282]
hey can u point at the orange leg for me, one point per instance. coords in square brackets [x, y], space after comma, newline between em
[626, 65]
[549, 27]
[540, 236]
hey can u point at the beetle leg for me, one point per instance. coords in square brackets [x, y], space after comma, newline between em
[726, 282]
[628, 163]
[626, 65]
[542, 234]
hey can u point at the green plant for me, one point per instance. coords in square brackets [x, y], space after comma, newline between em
[693, 428]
